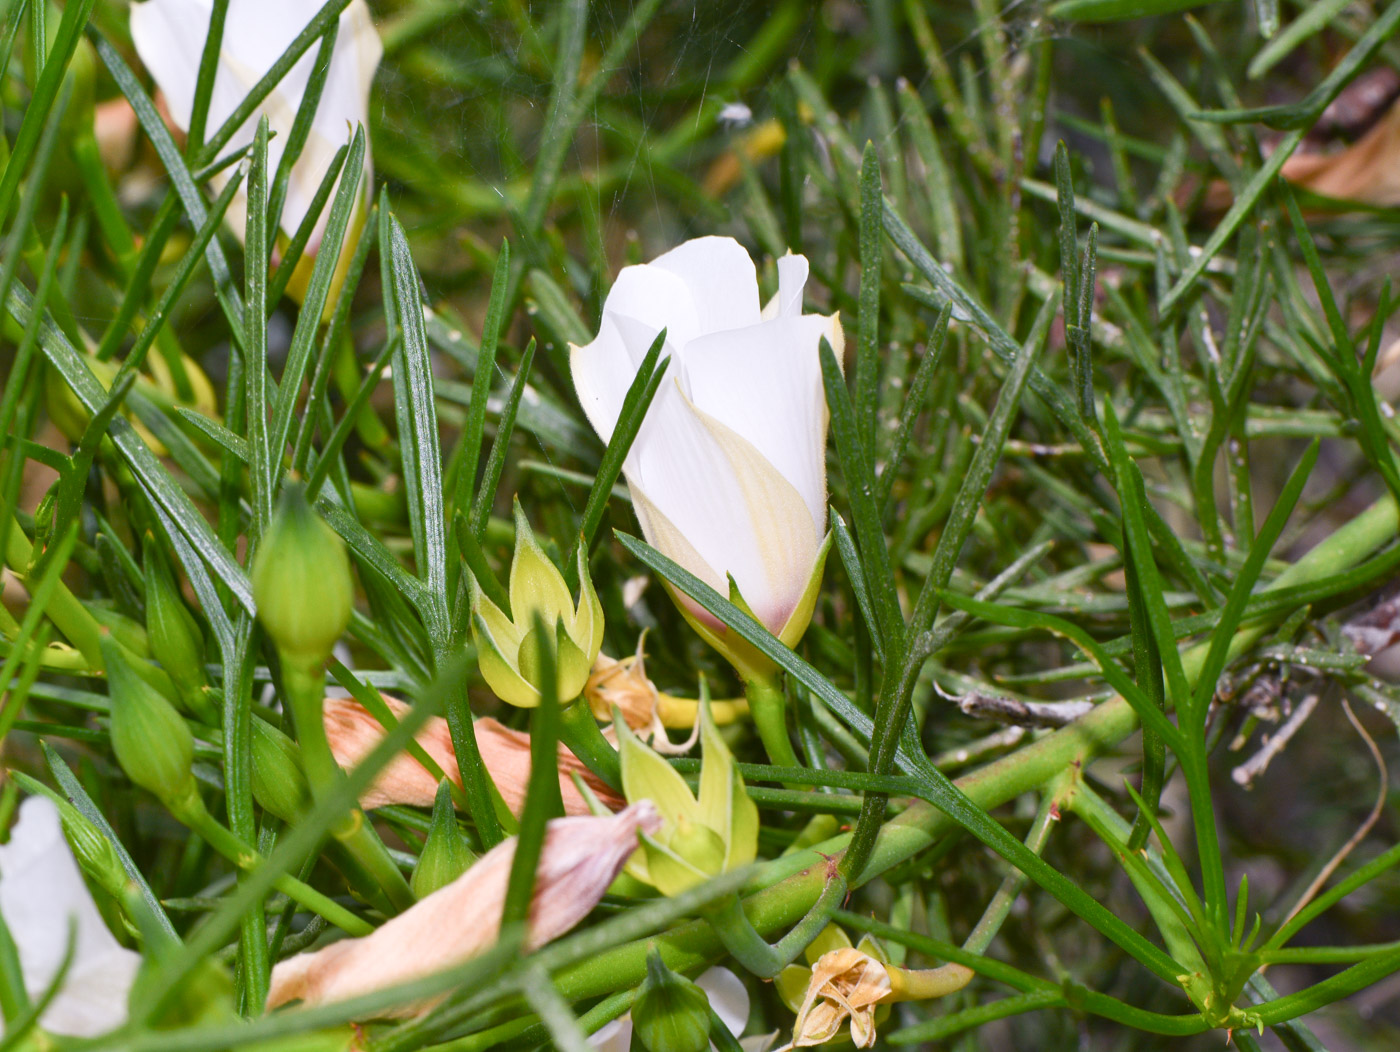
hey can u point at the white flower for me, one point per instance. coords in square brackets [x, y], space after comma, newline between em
[728, 471]
[42, 894]
[727, 997]
[169, 36]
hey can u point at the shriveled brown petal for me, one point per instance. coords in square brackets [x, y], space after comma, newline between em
[579, 859]
[353, 731]
[845, 984]
[1367, 171]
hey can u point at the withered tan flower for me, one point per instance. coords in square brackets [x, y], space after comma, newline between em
[623, 683]
[353, 731]
[850, 985]
[846, 984]
[1367, 171]
[579, 859]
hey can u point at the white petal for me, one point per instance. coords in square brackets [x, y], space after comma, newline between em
[635, 312]
[658, 299]
[764, 383]
[721, 278]
[792, 279]
[684, 486]
[615, 1036]
[169, 37]
[41, 894]
[728, 997]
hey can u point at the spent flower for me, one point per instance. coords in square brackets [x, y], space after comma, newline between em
[580, 857]
[353, 731]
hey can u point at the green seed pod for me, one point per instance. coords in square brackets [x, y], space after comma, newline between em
[302, 583]
[279, 784]
[445, 855]
[670, 1014]
[173, 633]
[152, 743]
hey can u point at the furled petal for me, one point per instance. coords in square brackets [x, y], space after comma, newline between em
[41, 894]
[721, 278]
[727, 472]
[169, 37]
[353, 731]
[765, 384]
[580, 857]
[792, 279]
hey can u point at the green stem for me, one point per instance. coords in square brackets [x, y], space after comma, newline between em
[193, 814]
[63, 609]
[579, 731]
[755, 953]
[768, 705]
[997, 910]
[794, 883]
[305, 695]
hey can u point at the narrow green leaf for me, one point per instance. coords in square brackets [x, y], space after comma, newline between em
[860, 489]
[417, 413]
[868, 343]
[309, 319]
[483, 377]
[495, 463]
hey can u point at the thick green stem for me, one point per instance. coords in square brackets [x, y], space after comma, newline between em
[768, 705]
[579, 731]
[750, 949]
[305, 695]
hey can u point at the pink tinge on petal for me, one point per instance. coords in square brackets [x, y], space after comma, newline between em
[580, 857]
[353, 732]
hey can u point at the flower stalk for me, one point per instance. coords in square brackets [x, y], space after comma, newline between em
[305, 595]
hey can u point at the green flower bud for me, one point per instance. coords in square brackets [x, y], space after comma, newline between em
[507, 655]
[279, 783]
[93, 851]
[445, 855]
[670, 1014]
[124, 630]
[174, 635]
[151, 741]
[302, 583]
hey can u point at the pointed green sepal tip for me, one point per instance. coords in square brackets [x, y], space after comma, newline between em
[507, 652]
[445, 855]
[671, 1013]
[171, 630]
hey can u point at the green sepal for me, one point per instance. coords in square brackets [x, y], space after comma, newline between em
[445, 855]
[671, 1013]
